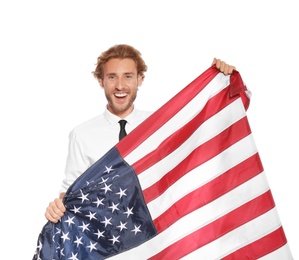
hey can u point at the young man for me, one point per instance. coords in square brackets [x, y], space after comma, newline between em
[120, 72]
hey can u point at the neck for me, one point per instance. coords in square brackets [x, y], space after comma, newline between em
[121, 114]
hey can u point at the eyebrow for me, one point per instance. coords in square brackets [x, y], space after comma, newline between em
[113, 73]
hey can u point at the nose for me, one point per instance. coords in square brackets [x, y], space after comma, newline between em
[120, 84]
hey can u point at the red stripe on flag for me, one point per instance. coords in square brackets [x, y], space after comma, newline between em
[210, 191]
[218, 228]
[260, 247]
[200, 155]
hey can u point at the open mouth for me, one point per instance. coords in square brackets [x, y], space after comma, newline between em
[120, 95]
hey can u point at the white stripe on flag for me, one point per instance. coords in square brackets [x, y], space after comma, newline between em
[282, 253]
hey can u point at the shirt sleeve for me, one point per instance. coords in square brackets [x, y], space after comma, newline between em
[76, 162]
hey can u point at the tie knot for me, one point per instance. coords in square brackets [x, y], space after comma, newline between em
[122, 123]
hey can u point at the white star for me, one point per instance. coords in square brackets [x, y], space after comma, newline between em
[58, 231]
[61, 252]
[109, 169]
[84, 226]
[115, 176]
[92, 246]
[76, 210]
[129, 212]
[65, 236]
[114, 207]
[70, 221]
[83, 197]
[106, 188]
[91, 215]
[40, 245]
[107, 221]
[100, 233]
[74, 257]
[98, 202]
[121, 193]
[78, 241]
[87, 182]
[114, 239]
[122, 226]
[136, 229]
[103, 180]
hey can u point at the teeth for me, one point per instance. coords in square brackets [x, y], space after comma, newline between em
[120, 95]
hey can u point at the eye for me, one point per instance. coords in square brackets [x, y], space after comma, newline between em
[111, 77]
[129, 76]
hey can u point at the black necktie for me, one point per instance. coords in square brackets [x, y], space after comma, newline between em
[122, 132]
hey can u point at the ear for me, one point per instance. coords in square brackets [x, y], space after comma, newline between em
[101, 83]
[139, 80]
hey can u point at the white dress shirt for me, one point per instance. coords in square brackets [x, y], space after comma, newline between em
[89, 141]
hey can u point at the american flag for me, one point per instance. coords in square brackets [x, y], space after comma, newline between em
[187, 183]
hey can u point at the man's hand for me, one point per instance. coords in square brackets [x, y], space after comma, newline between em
[55, 210]
[223, 67]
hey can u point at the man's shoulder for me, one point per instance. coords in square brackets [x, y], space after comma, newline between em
[143, 113]
[138, 116]
[89, 124]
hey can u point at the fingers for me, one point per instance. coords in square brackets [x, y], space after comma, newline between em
[226, 69]
[55, 210]
[214, 61]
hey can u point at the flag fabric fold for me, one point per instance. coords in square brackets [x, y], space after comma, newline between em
[187, 183]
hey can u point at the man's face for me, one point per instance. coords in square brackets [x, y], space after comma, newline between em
[120, 84]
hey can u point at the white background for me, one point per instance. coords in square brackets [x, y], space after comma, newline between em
[47, 53]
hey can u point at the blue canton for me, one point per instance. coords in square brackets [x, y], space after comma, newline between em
[106, 215]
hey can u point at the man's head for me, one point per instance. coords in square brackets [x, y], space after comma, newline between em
[120, 71]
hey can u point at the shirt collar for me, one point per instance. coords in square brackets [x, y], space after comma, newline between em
[113, 119]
